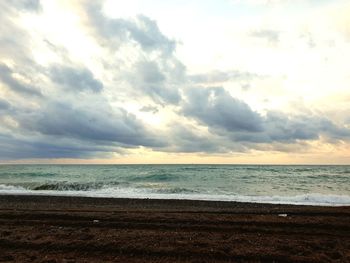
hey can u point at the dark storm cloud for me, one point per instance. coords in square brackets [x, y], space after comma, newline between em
[65, 130]
[12, 147]
[156, 71]
[282, 128]
[141, 30]
[271, 36]
[4, 105]
[234, 121]
[15, 85]
[90, 123]
[333, 131]
[85, 124]
[153, 81]
[150, 73]
[188, 139]
[216, 108]
[75, 79]
[148, 35]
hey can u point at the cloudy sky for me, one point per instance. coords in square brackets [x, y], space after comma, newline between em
[151, 81]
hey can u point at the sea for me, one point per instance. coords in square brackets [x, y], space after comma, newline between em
[278, 184]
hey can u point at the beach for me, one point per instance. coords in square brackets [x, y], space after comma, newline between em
[82, 229]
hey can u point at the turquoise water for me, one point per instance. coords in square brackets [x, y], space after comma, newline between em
[319, 185]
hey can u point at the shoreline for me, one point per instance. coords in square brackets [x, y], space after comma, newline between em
[85, 229]
[147, 203]
[312, 199]
[170, 197]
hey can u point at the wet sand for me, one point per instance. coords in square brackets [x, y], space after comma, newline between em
[67, 229]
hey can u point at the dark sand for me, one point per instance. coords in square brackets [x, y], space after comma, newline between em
[64, 229]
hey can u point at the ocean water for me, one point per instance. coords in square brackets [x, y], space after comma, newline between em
[315, 185]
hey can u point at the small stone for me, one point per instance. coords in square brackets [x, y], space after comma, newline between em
[282, 215]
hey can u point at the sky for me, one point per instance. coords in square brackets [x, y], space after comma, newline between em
[151, 81]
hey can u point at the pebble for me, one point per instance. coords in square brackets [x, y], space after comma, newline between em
[282, 215]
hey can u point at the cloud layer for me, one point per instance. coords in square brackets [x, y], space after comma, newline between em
[131, 91]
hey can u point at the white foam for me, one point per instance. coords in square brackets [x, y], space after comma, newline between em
[5, 187]
[305, 199]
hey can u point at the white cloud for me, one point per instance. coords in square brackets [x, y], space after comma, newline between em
[117, 78]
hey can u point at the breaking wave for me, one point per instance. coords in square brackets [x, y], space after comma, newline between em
[100, 190]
